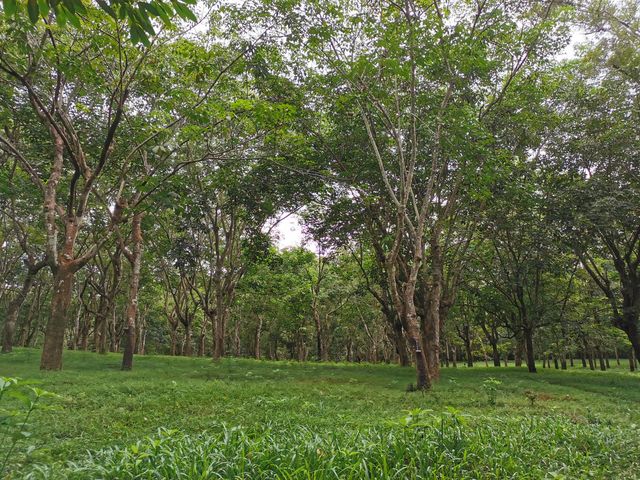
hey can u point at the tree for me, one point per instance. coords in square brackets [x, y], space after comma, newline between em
[592, 160]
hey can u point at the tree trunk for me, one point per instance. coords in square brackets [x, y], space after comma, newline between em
[603, 366]
[51, 358]
[632, 361]
[496, 354]
[431, 324]
[413, 333]
[401, 349]
[100, 333]
[320, 349]
[467, 345]
[25, 328]
[14, 309]
[132, 308]
[591, 362]
[201, 344]
[631, 329]
[517, 354]
[218, 334]
[236, 338]
[256, 339]
[531, 359]
[187, 351]
[174, 342]
[447, 353]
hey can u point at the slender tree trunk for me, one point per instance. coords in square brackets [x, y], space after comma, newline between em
[519, 349]
[187, 351]
[256, 339]
[591, 362]
[531, 359]
[632, 361]
[174, 342]
[320, 350]
[219, 332]
[132, 308]
[496, 354]
[467, 345]
[102, 327]
[236, 338]
[454, 356]
[14, 309]
[401, 347]
[447, 353]
[201, 345]
[603, 366]
[25, 328]
[617, 355]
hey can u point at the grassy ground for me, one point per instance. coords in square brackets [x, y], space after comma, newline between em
[281, 407]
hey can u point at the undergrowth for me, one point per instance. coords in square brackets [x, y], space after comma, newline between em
[420, 446]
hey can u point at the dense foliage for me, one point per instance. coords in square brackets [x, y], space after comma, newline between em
[465, 173]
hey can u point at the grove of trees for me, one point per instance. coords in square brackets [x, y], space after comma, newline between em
[467, 173]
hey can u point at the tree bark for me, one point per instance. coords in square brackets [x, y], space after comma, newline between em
[467, 344]
[256, 339]
[132, 308]
[496, 354]
[431, 323]
[13, 309]
[51, 358]
[218, 334]
[187, 351]
[531, 359]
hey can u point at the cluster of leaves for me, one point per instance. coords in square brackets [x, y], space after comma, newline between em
[138, 14]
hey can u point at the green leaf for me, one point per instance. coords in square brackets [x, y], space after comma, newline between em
[22, 397]
[107, 8]
[44, 7]
[33, 9]
[151, 8]
[61, 17]
[184, 12]
[73, 19]
[10, 7]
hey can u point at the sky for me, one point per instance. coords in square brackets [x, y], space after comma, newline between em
[289, 232]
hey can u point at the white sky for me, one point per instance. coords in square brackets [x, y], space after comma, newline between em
[289, 233]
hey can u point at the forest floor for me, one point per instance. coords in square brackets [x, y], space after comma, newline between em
[242, 418]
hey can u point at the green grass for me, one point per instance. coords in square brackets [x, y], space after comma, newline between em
[242, 418]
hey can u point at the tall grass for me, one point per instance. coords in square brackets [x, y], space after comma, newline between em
[421, 446]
